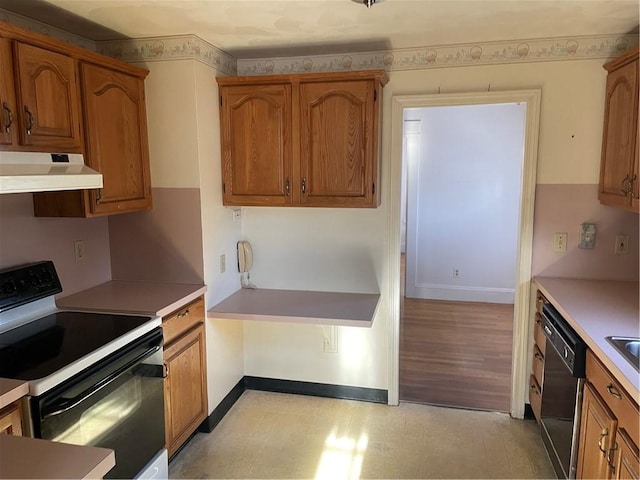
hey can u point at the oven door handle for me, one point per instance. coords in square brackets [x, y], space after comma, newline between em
[63, 404]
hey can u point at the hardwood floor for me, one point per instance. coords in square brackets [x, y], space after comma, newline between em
[456, 353]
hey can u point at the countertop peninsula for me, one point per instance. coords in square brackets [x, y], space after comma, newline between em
[597, 309]
[133, 297]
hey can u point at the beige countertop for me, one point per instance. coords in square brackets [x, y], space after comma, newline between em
[36, 458]
[297, 306]
[141, 298]
[597, 309]
[12, 390]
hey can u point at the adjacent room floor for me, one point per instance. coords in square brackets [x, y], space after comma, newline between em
[272, 435]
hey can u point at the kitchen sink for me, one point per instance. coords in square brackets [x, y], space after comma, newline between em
[628, 347]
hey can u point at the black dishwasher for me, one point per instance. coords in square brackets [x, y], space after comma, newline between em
[564, 372]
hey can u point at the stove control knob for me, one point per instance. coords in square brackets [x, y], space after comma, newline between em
[9, 287]
[46, 276]
[34, 279]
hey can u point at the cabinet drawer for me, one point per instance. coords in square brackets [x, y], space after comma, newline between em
[618, 401]
[538, 334]
[182, 320]
[538, 364]
[535, 397]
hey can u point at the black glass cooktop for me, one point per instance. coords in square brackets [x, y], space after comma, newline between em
[46, 345]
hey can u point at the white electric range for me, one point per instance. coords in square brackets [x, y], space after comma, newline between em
[94, 378]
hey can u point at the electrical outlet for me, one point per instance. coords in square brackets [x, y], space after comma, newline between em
[223, 263]
[79, 250]
[560, 242]
[237, 215]
[456, 273]
[622, 245]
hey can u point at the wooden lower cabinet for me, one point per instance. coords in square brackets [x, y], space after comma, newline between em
[537, 363]
[609, 427]
[11, 420]
[597, 430]
[186, 381]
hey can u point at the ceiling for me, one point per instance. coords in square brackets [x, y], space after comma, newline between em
[271, 28]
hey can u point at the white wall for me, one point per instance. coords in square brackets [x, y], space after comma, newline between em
[219, 236]
[463, 202]
[317, 249]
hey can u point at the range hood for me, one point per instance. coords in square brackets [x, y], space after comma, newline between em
[22, 172]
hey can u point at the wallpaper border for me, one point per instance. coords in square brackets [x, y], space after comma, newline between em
[180, 47]
[490, 53]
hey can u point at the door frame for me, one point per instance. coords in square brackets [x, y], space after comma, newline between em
[522, 304]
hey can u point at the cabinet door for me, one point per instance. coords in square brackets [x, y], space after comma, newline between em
[11, 420]
[8, 117]
[597, 431]
[185, 387]
[116, 138]
[620, 130]
[47, 99]
[628, 458]
[256, 145]
[338, 150]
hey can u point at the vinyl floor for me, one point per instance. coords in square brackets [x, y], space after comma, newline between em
[273, 435]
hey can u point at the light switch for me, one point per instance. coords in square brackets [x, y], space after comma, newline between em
[587, 235]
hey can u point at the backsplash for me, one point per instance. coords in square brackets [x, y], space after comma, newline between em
[163, 244]
[562, 208]
[25, 239]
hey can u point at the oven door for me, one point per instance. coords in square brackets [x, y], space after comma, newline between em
[117, 403]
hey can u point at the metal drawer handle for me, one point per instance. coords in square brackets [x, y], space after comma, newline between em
[631, 180]
[613, 391]
[304, 185]
[98, 196]
[183, 314]
[604, 433]
[287, 187]
[29, 119]
[6, 108]
[538, 356]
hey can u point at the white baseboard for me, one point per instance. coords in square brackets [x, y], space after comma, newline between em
[461, 294]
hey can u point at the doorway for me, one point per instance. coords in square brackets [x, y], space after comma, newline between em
[521, 293]
[462, 166]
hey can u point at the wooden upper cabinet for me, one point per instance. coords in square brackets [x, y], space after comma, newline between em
[619, 165]
[47, 99]
[301, 140]
[256, 144]
[337, 148]
[116, 139]
[8, 116]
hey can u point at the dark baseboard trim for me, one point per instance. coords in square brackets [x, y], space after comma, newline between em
[289, 386]
[221, 410]
[316, 389]
[528, 412]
